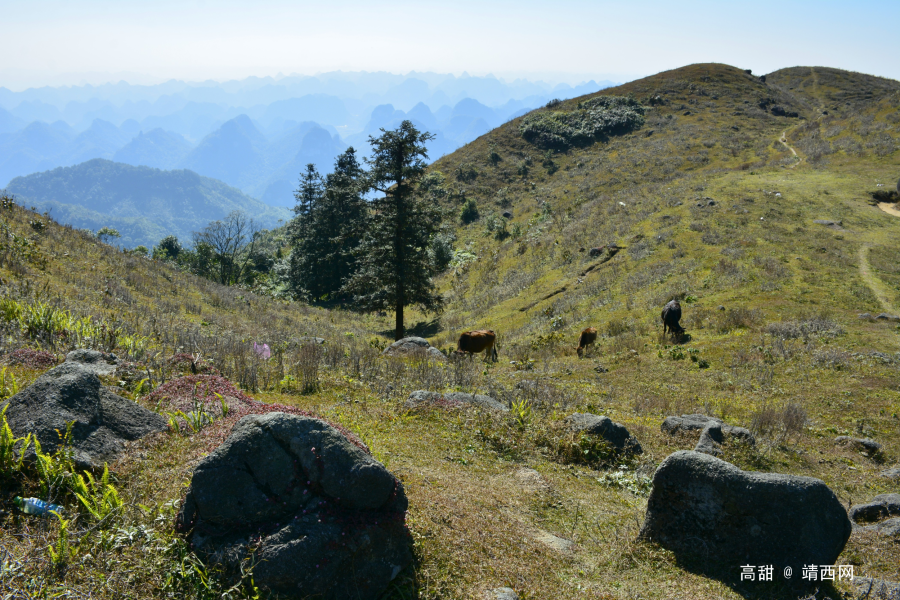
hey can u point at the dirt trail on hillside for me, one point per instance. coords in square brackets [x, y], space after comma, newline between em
[873, 282]
[890, 208]
[783, 140]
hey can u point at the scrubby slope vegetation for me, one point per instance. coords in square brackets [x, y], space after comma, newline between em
[707, 203]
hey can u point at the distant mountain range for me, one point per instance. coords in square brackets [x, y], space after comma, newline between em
[256, 134]
[142, 203]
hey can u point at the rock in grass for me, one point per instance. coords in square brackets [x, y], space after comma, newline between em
[881, 507]
[103, 421]
[319, 517]
[423, 397]
[503, 593]
[715, 515]
[697, 422]
[614, 433]
[887, 317]
[413, 345]
[711, 440]
[893, 473]
[889, 527]
[99, 363]
[868, 588]
[861, 444]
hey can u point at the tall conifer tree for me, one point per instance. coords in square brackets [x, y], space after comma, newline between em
[394, 268]
[307, 195]
[330, 230]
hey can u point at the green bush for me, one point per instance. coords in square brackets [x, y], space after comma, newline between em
[441, 251]
[593, 120]
[469, 212]
[496, 226]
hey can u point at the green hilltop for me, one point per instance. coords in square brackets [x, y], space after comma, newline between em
[142, 203]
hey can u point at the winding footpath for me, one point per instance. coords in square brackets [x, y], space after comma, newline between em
[872, 281]
[783, 140]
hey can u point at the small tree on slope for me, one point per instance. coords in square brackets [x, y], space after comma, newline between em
[394, 268]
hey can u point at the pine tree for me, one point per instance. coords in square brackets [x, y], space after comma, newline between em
[330, 230]
[394, 268]
[308, 195]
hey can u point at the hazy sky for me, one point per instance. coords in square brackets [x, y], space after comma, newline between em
[53, 42]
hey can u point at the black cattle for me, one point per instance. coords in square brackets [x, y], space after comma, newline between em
[671, 314]
[588, 337]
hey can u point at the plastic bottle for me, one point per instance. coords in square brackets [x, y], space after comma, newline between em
[35, 506]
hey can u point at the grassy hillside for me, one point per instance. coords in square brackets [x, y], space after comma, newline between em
[712, 207]
[144, 204]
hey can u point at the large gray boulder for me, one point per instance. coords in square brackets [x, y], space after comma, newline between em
[614, 433]
[881, 507]
[707, 510]
[422, 397]
[319, 516]
[413, 345]
[103, 421]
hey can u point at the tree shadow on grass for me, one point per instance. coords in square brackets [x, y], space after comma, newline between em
[423, 329]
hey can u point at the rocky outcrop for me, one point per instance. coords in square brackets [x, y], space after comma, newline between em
[99, 363]
[615, 434]
[318, 515]
[450, 399]
[72, 392]
[706, 509]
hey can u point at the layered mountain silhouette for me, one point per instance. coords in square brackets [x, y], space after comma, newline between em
[157, 148]
[256, 134]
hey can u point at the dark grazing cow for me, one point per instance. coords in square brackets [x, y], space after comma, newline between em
[588, 337]
[474, 342]
[671, 314]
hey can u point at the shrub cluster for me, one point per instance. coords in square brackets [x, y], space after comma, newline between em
[594, 119]
[32, 359]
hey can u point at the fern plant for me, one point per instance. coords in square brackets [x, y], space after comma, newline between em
[99, 497]
[55, 469]
[62, 553]
[522, 413]
[12, 449]
[8, 384]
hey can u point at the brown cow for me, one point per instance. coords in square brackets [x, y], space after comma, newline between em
[588, 337]
[474, 342]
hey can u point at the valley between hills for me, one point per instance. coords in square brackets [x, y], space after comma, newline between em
[762, 204]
